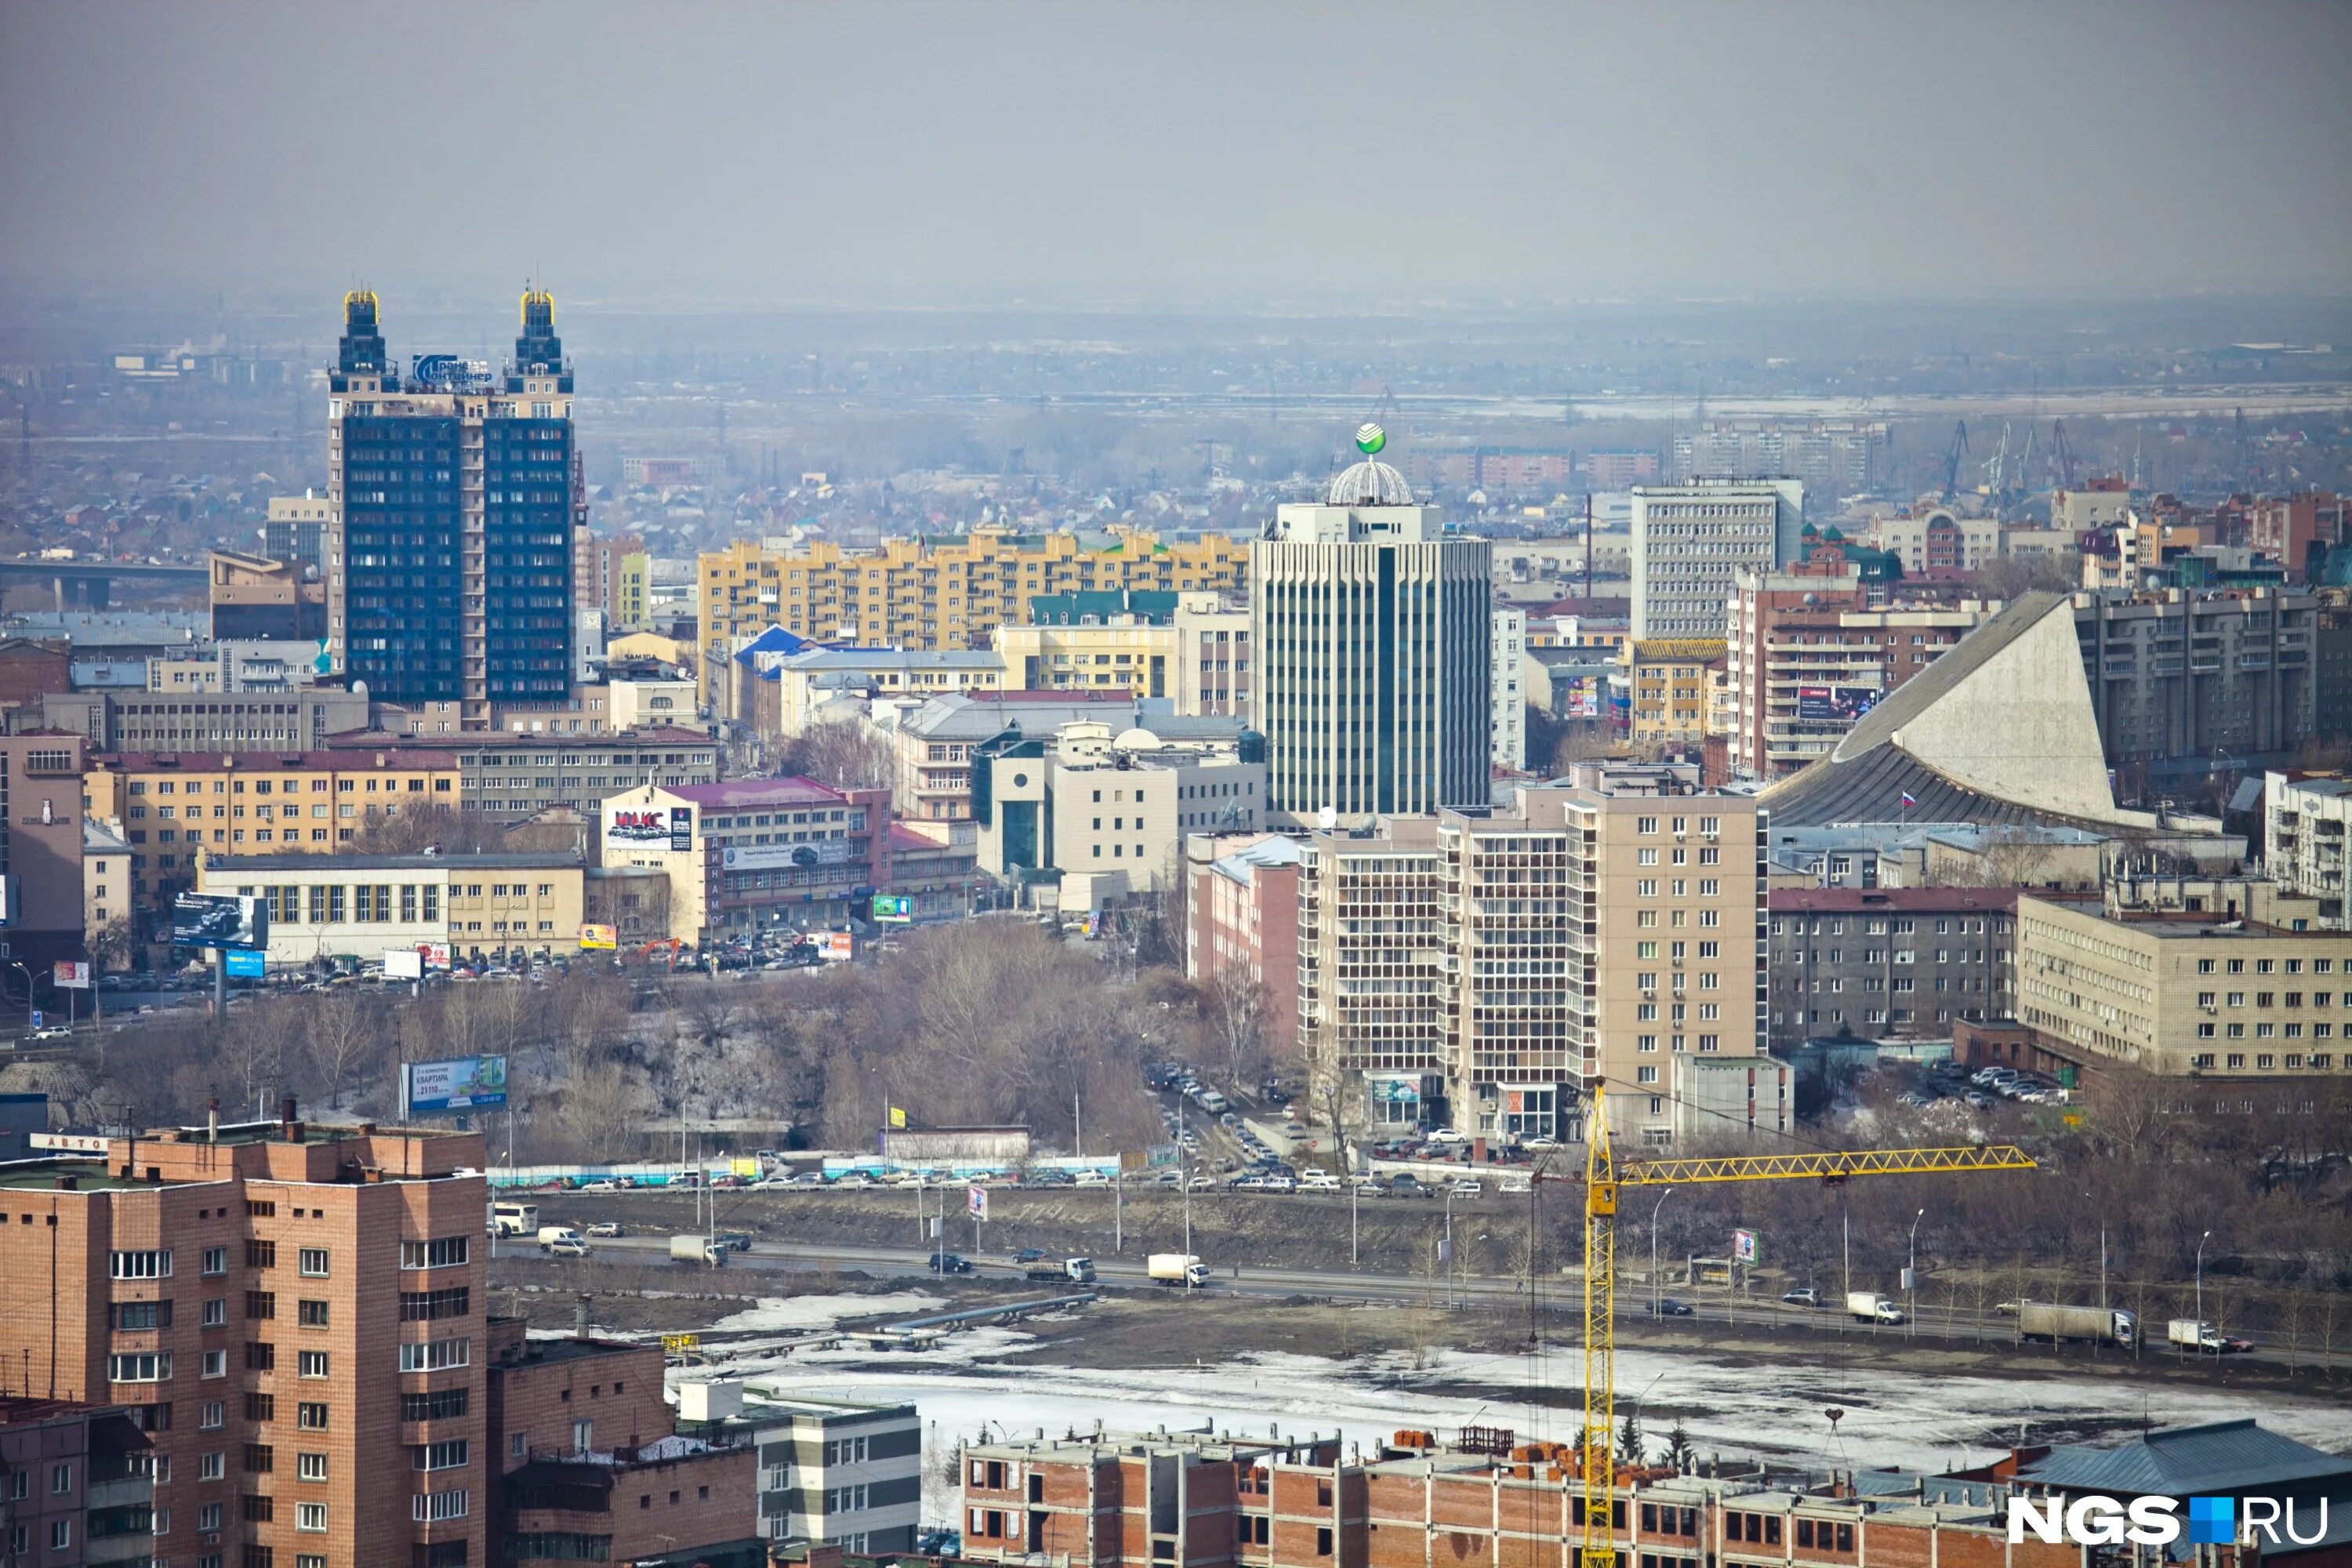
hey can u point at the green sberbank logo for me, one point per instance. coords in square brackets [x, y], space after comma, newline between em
[1371, 439]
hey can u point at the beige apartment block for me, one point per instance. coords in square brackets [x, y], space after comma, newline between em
[1213, 655]
[926, 594]
[2181, 994]
[1126, 651]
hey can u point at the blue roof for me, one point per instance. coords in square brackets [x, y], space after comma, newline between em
[2183, 1461]
[775, 639]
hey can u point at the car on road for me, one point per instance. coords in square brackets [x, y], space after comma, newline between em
[1028, 1255]
[1407, 1185]
[730, 1181]
[1802, 1296]
[1247, 1182]
[1516, 1186]
[1281, 1184]
[733, 1240]
[564, 1247]
[1468, 1187]
[1667, 1307]
[602, 1184]
[1202, 1183]
[607, 1228]
[852, 1179]
[949, 1263]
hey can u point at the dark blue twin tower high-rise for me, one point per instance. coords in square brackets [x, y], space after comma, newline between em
[455, 517]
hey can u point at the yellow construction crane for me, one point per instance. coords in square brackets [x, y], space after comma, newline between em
[1604, 1173]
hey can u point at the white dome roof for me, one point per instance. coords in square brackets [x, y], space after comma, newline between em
[1368, 483]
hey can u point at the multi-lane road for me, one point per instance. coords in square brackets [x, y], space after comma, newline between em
[1559, 1299]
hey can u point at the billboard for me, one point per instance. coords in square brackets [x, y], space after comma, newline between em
[640, 827]
[895, 907]
[1743, 1245]
[834, 946]
[468, 1083]
[402, 964]
[216, 919]
[600, 936]
[246, 963]
[767, 857]
[976, 1199]
[436, 954]
[69, 974]
[1394, 1088]
[1835, 702]
[681, 827]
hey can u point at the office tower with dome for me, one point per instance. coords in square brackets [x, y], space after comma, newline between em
[1370, 633]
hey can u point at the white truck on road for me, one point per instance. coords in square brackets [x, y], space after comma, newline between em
[1870, 1307]
[2197, 1334]
[1177, 1268]
[2043, 1321]
[698, 1249]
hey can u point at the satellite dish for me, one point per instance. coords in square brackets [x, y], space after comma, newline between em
[1137, 739]
[1327, 819]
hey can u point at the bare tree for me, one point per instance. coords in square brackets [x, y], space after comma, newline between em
[1236, 1004]
[843, 754]
[343, 1032]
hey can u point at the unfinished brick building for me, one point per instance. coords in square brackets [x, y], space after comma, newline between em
[1193, 1499]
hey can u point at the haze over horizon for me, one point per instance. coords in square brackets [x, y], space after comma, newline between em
[1180, 156]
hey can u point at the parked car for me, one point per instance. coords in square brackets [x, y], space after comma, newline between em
[1468, 1187]
[1444, 1135]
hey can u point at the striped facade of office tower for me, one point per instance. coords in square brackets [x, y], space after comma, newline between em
[1370, 633]
[457, 522]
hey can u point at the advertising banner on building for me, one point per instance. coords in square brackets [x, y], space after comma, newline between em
[681, 827]
[69, 974]
[599, 936]
[769, 856]
[639, 826]
[1835, 702]
[466, 1083]
[216, 919]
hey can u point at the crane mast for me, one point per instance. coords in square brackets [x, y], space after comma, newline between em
[1605, 1174]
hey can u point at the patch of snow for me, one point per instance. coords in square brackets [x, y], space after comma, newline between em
[824, 1312]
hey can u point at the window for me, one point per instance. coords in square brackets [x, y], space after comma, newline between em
[426, 1306]
[441, 1404]
[310, 1363]
[312, 1262]
[260, 1355]
[216, 1260]
[130, 1316]
[216, 1312]
[60, 1534]
[434, 1506]
[215, 1365]
[311, 1516]
[261, 1255]
[310, 1416]
[150, 1265]
[443, 1252]
[310, 1467]
[212, 1415]
[146, 1366]
[435, 1355]
[210, 1468]
[583, 1436]
[311, 1314]
[260, 1304]
[451, 1454]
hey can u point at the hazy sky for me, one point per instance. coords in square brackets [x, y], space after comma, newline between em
[1149, 153]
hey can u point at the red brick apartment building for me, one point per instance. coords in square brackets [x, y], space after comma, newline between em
[591, 1468]
[292, 1314]
[1192, 1500]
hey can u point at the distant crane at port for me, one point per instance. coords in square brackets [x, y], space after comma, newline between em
[1952, 458]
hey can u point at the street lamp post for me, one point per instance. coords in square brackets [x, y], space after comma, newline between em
[2201, 1285]
[1445, 1249]
[1911, 1278]
[1653, 1247]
